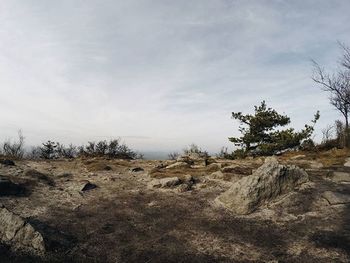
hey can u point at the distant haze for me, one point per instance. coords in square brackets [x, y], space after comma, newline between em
[161, 74]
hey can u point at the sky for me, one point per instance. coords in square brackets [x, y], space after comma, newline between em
[161, 74]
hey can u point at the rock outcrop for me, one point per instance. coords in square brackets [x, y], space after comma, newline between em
[267, 183]
[18, 233]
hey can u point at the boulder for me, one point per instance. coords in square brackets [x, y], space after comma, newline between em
[17, 232]
[237, 169]
[9, 188]
[267, 183]
[7, 162]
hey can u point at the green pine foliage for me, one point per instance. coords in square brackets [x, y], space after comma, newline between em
[261, 134]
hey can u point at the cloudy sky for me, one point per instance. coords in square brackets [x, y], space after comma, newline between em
[161, 74]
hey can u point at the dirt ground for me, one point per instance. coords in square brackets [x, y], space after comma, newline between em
[124, 220]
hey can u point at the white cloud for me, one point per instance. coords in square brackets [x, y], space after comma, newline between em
[162, 74]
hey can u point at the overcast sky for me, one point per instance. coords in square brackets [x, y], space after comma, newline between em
[161, 74]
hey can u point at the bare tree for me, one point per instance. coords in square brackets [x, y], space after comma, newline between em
[327, 133]
[14, 149]
[173, 155]
[345, 60]
[338, 87]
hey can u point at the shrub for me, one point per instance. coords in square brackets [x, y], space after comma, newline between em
[14, 149]
[49, 150]
[173, 155]
[195, 149]
[111, 149]
[69, 152]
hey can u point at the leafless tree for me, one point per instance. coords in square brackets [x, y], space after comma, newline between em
[327, 133]
[345, 60]
[173, 155]
[338, 87]
[14, 149]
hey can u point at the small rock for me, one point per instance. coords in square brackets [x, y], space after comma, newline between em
[178, 165]
[184, 188]
[334, 198]
[137, 169]
[188, 179]
[217, 175]
[340, 177]
[347, 162]
[170, 182]
[87, 186]
[154, 184]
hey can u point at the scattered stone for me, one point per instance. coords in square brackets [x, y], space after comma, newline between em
[65, 175]
[8, 188]
[217, 175]
[347, 162]
[7, 162]
[137, 169]
[237, 169]
[315, 165]
[87, 186]
[170, 182]
[15, 231]
[340, 177]
[178, 165]
[188, 179]
[184, 187]
[334, 198]
[267, 183]
[107, 168]
[214, 167]
[154, 184]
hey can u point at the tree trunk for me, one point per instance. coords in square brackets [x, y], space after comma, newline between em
[346, 135]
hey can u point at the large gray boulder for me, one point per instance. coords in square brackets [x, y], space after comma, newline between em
[15, 231]
[267, 183]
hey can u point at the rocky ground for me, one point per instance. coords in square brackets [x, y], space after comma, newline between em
[98, 210]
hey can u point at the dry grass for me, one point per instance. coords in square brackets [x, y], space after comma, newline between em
[327, 158]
